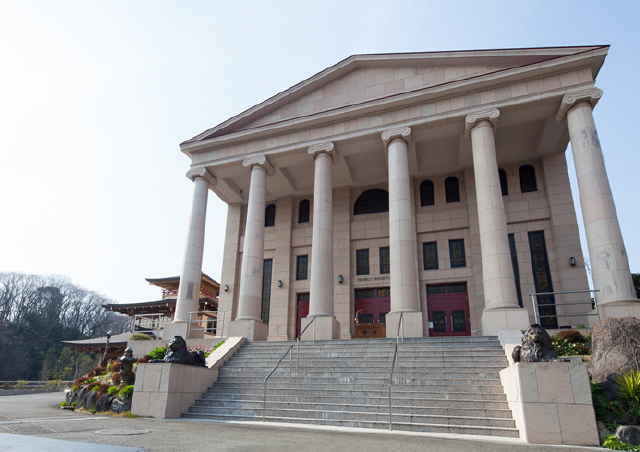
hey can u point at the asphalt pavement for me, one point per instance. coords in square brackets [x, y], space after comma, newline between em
[34, 423]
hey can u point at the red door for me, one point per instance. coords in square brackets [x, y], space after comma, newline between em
[448, 310]
[303, 310]
[372, 306]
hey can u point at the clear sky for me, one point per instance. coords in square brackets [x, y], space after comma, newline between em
[97, 95]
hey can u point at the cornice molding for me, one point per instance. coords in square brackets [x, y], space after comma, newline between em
[324, 148]
[260, 160]
[591, 95]
[404, 133]
[203, 173]
[472, 119]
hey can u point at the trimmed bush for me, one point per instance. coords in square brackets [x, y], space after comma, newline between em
[127, 391]
[115, 367]
[571, 336]
[140, 337]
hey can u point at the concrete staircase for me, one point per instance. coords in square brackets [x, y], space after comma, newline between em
[444, 385]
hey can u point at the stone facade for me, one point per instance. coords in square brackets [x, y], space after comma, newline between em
[494, 124]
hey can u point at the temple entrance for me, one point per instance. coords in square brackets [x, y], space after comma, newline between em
[448, 310]
[372, 306]
[303, 310]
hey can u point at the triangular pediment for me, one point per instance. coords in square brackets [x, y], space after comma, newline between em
[362, 80]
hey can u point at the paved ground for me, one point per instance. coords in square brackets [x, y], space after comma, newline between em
[34, 423]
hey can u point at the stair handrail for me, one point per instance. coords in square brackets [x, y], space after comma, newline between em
[394, 361]
[264, 400]
[298, 340]
[400, 323]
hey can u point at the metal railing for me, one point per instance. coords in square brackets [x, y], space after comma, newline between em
[264, 400]
[396, 362]
[196, 324]
[148, 323]
[536, 307]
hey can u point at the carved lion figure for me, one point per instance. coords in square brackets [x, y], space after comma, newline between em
[536, 346]
[178, 353]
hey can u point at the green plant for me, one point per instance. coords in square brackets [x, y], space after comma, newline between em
[74, 403]
[112, 390]
[140, 337]
[628, 386]
[572, 336]
[63, 404]
[74, 387]
[613, 443]
[21, 384]
[565, 348]
[127, 391]
[157, 353]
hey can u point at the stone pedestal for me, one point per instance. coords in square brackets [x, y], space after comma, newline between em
[551, 403]
[494, 320]
[253, 330]
[325, 328]
[620, 308]
[411, 324]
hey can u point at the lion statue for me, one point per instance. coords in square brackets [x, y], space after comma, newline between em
[536, 346]
[177, 353]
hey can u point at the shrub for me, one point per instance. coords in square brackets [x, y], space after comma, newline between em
[612, 442]
[127, 391]
[102, 389]
[140, 337]
[116, 379]
[54, 384]
[6, 385]
[566, 348]
[112, 390]
[62, 404]
[97, 371]
[74, 403]
[628, 386]
[156, 353]
[115, 367]
[21, 384]
[90, 386]
[82, 380]
[571, 336]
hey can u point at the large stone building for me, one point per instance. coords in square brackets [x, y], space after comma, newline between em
[429, 187]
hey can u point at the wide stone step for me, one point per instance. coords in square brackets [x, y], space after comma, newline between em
[464, 372]
[406, 398]
[380, 406]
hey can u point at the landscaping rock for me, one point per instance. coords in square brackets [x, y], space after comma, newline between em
[89, 400]
[629, 434]
[603, 431]
[121, 404]
[104, 403]
[615, 347]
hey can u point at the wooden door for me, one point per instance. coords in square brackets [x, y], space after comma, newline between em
[372, 306]
[303, 310]
[448, 310]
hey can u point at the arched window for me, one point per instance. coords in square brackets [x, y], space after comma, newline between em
[372, 201]
[427, 197]
[452, 189]
[528, 179]
[270, 215]
[303, 211]
[502, 174]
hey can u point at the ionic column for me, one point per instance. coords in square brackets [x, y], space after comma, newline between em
[322, 274]
[191, 272]
[501, 311]
[609, 262]
[402, 250]
[248, 322]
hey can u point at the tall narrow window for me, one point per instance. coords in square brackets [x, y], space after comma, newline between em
[528, 179]
[270, 215]
[542, 280]
[362, 262]
[430, 255]
[514, 264]
[302, 266]
[303, 211]
[427, 197]
[372, 201]
[452, 189]
[456, 253]
[267, 267]
[502, 174]
[384, 260]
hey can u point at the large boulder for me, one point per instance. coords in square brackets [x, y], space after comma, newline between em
[629, 434]
[121, 404]
[615, 347]
[104, 403]
[90, 399]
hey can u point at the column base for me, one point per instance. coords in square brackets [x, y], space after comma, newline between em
[627, 307]
[325, 328]
[411, 324]
[253, 330]
[494, 320]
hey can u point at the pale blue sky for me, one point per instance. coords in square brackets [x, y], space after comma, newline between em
[96, 96]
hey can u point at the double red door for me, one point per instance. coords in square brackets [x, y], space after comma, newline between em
[448, 310]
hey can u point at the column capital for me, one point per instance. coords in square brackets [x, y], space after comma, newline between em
[260, 160]
[591, 95]
[193, 173]
[473, 118]
[323, 148]
[404, 133]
